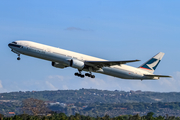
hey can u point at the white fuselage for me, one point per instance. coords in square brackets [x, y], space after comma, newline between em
[63, 56]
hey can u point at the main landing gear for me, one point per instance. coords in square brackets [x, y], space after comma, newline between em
[89, 75]
[86, 74]
[18, 57]
[79, 74]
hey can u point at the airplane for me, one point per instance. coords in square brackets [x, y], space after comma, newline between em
[61, 58]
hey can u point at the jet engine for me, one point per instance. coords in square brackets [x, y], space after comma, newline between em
[58, 65]
[77, 64]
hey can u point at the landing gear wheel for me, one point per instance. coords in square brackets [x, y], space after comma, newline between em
[92, 76]
[82, 76]
[76, 74]
[18, 57]
[87, 74]
[79, 74]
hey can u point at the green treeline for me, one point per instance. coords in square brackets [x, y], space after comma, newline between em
[116, 109]
[100, 109]
[62, 116]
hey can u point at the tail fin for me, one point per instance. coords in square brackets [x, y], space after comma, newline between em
[151, 64]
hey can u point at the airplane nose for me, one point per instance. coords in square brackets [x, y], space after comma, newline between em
[9, 44]
[12, 45]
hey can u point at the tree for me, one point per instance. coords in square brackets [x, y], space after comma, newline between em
[150, 116]
[1, 117]
[34, 106]
[106, 117]
[135, 117]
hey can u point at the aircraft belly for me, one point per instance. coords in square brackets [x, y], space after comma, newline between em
[120, 73]
[44, 55]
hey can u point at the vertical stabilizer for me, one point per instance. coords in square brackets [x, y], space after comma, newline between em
[152, 64]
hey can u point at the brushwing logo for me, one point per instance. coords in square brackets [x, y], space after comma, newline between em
[154, 64]
[151, 64]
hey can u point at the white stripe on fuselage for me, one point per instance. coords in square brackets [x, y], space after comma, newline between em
[60, 55]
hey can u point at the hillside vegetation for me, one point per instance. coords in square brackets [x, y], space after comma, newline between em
[94, 95]
[95, 102]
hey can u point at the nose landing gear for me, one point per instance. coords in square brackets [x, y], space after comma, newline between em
[18, 57]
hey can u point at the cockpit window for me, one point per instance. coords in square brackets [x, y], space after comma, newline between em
[14, 42]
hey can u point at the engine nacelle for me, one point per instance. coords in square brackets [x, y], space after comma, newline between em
[58, 65]
[77, 64]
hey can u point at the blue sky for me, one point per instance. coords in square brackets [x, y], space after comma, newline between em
[112, 30]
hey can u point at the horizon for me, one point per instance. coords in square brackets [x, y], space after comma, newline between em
[88, 89]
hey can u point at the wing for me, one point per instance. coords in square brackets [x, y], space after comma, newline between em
[157, 75]
[101, 64]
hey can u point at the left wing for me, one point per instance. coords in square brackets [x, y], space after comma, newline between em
[101, 64]
[157, 75]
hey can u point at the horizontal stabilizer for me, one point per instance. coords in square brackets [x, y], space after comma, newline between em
[157, 75]
[108, 63]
